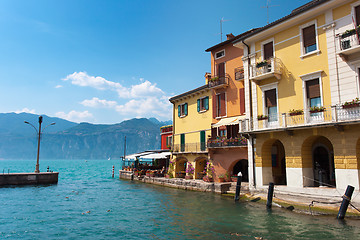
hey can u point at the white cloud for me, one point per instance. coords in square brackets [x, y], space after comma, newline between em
[26, 110]
[142, 90]
[58, 86]
[75, 116]
[98, 103]
[147, 107]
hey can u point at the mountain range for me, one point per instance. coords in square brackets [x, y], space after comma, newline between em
[69, 140]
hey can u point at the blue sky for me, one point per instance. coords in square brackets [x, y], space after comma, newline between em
[107, 61]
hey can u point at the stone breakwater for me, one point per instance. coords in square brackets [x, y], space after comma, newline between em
[180, 183]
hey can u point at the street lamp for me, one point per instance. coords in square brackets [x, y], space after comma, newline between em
[39, 135]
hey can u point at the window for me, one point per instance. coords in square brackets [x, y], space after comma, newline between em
[203, 104]
[220, 54]
[182, 142]
[219, 105]
[268, 49]
[313, 93]
[168, 141]
[271, 104]
[309, 39]
[202, 141]
[357, 15]
[183, 110]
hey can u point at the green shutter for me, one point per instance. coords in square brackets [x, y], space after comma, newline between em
[207, 103]
[186, 109]
[198, 105]
[202, 141]
[179, 111]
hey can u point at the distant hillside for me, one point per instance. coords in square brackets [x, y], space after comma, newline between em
[76, 141]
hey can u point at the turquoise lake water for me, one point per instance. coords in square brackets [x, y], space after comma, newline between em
[88, 204]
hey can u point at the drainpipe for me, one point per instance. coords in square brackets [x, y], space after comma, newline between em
[251, 139]
[337, 69]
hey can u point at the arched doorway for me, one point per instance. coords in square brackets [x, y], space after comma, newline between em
[180, 168]
[242, 166]
[278, 163]
[323, 163]
[200, 165]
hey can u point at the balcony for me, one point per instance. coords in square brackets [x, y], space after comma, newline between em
[239, 73]
[227, 143]
[266, 69]
[199, 147]
[331, 115]
[347, 44]
[219, 81]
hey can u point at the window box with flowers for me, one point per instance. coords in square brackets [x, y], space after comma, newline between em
[317, 109]
[261, 64]
[262, 117]
[295, 112]
[354, 103]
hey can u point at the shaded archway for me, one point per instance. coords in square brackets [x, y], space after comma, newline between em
[200, 164]
[273, 162]
[243, 167]
[317, 154]
[180, 167]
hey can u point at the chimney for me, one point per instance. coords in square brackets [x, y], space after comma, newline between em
[229, 36]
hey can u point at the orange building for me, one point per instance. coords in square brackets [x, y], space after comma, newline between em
[227, 149]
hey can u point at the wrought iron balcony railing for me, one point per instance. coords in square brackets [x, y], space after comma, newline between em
[224, 143]
[348, 43]
[219, 81]
[239, 73]
[190, 147]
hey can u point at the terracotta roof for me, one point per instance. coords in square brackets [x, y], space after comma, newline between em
[294, 13]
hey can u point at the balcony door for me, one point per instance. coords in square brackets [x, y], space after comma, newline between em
[221, 70]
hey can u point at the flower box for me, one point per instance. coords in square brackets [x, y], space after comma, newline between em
[234, 178]
[295, 114]
[261, 64]
[317, 109]
[352, 105]
[188, 177]
[262, 118]
[348, 33]
[208, 179]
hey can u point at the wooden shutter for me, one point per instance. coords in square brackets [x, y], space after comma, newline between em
[214, 102]
[221, 69]
[242, 100]
[313, 88]
[270, 98]
[222, 105]
[202, 136]
[213, 133]
[235, 130]
[228, 131]
[198, 105]
[186, 109]
[179, 110]
[357, 15]
[309, 36]
[207, 103]
[268, 50]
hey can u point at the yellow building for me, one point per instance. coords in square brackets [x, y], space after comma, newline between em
[299, 72]
[192, 116]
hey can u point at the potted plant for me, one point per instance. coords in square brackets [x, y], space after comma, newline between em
[348, 33]
[354, 103]
[189, 171]
[221, 178]
[209, 171]
[317, 109]
[262, 117]
[227, 177]
[293, 112]
[261, 64]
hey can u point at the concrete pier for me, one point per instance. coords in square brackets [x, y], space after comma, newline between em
[28, 178]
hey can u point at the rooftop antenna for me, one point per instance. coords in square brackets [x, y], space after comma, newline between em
[221, 21]
[267, 8]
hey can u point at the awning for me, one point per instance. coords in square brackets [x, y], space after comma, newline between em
[228, 121]
[161, 155]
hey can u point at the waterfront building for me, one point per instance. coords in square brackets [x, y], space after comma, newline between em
[226, 148]
[192, 117]
[301, 79]
[166, 137]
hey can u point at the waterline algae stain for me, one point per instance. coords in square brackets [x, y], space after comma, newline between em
[87, 203]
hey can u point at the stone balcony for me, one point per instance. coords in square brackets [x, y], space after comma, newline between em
[332, 116]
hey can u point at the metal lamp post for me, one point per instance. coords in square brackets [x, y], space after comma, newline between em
[39, 135]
